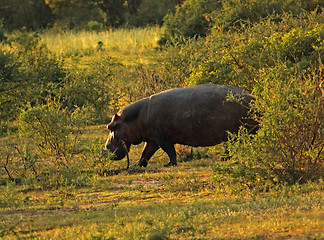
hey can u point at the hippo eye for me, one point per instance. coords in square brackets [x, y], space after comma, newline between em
[113, 126]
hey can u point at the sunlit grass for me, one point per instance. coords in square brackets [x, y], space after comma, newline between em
[121, 208]
[67, 43]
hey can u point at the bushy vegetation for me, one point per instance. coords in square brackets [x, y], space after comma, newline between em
[198, 17]
[59, 89]
[277, 56]
[80, 14]
[189, 20]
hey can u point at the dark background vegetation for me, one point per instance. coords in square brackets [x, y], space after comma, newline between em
[273, 48]
[68, 14]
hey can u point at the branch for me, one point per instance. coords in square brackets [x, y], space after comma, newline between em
[321, 89]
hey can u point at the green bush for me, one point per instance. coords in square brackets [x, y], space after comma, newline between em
[38, 65]
[199, 17]
[189, 20]
[2, 34]
[181, 59]
[150, 12]
[234, 13]
[94, 26]
[289, 146]
[91, 87]
[29, 15]
[99, 160]
[54, 134]
[240, 56]
[28, 73]
[10, 88]
[49, 127]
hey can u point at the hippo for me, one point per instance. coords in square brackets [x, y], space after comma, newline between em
[195, 116]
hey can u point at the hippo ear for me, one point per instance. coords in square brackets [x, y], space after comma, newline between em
[116, 116]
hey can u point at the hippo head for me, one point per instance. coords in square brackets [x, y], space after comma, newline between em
[116, 142]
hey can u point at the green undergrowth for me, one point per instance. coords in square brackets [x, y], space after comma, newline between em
[182, 202]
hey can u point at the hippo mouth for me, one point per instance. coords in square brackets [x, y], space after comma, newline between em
[119, 153]
[119, 150]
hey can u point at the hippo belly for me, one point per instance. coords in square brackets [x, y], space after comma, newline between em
[200, 117]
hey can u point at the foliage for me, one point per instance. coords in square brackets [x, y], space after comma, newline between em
[49, 127]
[56, 137]
[29, 15]
[189, 20]
[89, 87]
[236, 12]
[29, 73]
[94, 26]
[77, 14]
[2, 34]
[198, 17]
[288, 148]
[147, 81]
[73, 14]
[100, 159]
[150, 12]
[241, 55]
[60, 79]
[8, 76]
[114, 12]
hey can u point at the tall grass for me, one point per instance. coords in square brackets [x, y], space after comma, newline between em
[68, 43]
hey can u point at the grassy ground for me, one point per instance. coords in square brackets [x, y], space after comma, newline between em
[161, 203]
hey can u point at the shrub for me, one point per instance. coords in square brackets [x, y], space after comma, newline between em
[38, 65]
[280, 62]
[199, 17]
[236, 12]
[2, 34]
[50, 127]
[150, 12]
[90, 87]
[28, 73]
[94, 26]
[240, 56]
[289, 147]
[190, 19]
[54, 134]
[99, 160]
[10, 87]
[30, 15]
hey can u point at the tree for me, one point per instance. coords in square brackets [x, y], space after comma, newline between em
[29, 15]
[114, 11]
[74, 13]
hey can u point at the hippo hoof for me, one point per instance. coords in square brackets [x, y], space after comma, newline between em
[225, 158]
[170, 164]
[142, 163]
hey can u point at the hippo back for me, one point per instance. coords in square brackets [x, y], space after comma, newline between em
[196, 116]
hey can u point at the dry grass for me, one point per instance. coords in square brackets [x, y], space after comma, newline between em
[73, 43]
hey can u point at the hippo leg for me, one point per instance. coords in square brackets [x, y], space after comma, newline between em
[170, 150]
[226, 155]
[149, 149]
